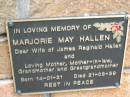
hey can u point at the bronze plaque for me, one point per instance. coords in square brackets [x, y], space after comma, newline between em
[56, 55]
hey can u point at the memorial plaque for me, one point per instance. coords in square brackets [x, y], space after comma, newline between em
[56, 55]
